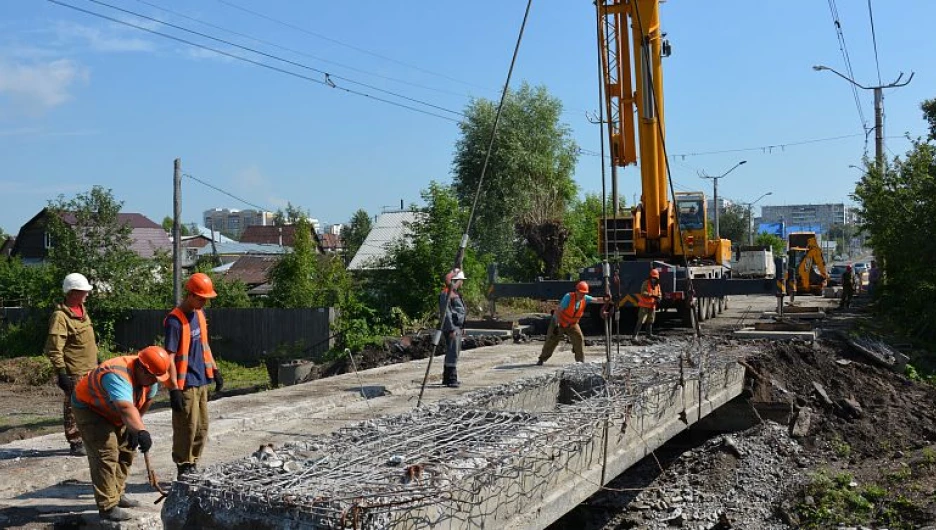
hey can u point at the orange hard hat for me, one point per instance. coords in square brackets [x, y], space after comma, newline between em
[156, 361]
[582, 287]
[200, 285]
[654, 273]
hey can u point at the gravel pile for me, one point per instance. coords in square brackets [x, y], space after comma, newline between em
[730, 481]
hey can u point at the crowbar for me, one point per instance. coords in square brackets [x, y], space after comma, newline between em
[153, 480]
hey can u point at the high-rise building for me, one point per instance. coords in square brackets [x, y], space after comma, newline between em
[234, 222]
[813, 217]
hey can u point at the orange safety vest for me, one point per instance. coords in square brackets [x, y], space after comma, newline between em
[570, 316]
[90, 389]
[181, 356]
[648, 295]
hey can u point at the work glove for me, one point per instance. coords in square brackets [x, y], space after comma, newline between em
[176, 400]
[219, 380]
[146, 441]
[65, 383]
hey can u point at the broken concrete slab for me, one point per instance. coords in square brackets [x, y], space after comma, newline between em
[751, 333]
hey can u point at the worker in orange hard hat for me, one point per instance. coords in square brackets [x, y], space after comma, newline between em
[193, 369]
[454, 312]
[647, 302]
[565, 323]
[109, 403]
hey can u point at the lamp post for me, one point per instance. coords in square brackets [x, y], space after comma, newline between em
[750, 208]
[878, 109]
[715, 199]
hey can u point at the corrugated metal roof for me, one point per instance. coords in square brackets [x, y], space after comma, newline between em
[388, 228]
[235, 247]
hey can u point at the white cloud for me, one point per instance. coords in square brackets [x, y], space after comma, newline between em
[252, 183]
[99, 40]
[40, 85]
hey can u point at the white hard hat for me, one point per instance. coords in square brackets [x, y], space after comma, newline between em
[76, 282]
[459, 275]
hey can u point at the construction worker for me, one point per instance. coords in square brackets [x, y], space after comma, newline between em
[193, 369]
[71, 348]
[109, 404]
[848, 287]
[453, 311]
[565, 322]
[647, 302]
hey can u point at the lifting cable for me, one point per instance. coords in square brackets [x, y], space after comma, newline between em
[460, 255]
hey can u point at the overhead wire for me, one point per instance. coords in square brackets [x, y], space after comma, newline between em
[326, 82]
[327, 75]
[346, 45]
[877, 62]
[298, 52]
[833, 8]
[225, 192]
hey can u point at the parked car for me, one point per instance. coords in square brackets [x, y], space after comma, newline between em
[835, 275]
[861, 270]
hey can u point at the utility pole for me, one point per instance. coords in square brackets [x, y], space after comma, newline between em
[878, 109]
[750, 216]
[715, 198]
[176, 231]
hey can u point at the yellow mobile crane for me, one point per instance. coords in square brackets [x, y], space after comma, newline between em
[671, 236]
[674, 233]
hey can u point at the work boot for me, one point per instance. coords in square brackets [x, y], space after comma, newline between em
[185, 469]
[539, 362]
[77, 449]
[115, 514]
[649, 330]
[450, 377]
[127, 502]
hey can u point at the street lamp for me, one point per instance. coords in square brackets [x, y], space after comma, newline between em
[878, 108]
[750, 208]
[715, 199]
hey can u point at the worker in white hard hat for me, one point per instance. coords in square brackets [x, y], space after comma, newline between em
[453, 320]
[71, 347]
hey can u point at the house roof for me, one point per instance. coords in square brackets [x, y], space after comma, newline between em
[388, 227]
[202, 231]
[331, 241]
[135, 220]
[271, 235]
[251, 269]
[242, 248]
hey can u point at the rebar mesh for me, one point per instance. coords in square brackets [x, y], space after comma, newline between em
[454, 460]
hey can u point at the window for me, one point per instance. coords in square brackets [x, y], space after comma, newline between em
[47, 240]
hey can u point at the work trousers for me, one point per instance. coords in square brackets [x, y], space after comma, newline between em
[646, 314]
[452, 347]
[847, 295]
[108, 456]
[72, 434]
[554, 336]
[190, 427]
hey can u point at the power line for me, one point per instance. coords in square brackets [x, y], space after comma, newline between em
[298, 52]
[346, 45]
[877, 63]
[326, 82]
[274, 57]
[833, 8]
[229, 194]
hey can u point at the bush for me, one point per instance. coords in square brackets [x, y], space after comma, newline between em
[24, 338]
[33, 371]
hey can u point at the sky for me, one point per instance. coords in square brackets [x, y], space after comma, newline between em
[86, 101]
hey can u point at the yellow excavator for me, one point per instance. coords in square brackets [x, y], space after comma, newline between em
[806, 264]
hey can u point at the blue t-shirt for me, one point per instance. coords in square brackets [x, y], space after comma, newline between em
[118, 389]
[567, 299]
[195, 375]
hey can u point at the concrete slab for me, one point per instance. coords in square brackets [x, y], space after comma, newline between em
[815, 315]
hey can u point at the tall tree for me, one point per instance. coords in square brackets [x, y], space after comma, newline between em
[293, 276]
[929, 114]
[733, 224]
[291, 215]
[355, 233]
[167, 223]
[528, 184]
[582, 221]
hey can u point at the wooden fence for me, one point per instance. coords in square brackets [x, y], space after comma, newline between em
[242, 335]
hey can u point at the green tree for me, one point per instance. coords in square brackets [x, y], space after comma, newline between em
[293, 276]
[410, 277]
[528, 183]
[929, 114]
[29, 286]
[291, 215]
[88, 237]
[167, 223]
[897, 209]
[774, 242]
[733, 224]
[355, 233]
[582, 220]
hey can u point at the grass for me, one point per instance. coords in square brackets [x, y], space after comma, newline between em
[237, 376]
